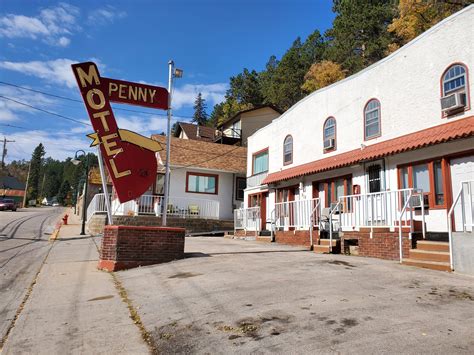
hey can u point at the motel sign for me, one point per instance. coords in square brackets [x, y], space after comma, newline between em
[129, 156]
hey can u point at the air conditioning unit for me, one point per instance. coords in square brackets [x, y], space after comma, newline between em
[329, 143]
[453, 102]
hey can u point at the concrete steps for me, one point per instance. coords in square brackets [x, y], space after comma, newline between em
[429, 255]
[324, 246]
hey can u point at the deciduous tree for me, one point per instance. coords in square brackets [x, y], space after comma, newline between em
[322, 74]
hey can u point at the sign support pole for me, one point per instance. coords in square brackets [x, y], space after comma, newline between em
[104, 185]
[168, 144]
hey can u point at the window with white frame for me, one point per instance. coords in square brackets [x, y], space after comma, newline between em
[288, 150]
[454, 79]
[329, 134]
[372, 119]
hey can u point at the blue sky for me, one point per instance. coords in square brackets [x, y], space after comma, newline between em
[210, 40]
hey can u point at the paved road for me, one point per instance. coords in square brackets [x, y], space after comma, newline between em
[24, 244]
[244, 297]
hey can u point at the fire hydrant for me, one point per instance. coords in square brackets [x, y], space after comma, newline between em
[65, 219]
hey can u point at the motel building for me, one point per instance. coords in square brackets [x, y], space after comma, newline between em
[380, 164]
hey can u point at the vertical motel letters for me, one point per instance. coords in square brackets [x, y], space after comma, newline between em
[96, 101]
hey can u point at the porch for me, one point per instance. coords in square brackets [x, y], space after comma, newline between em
[153, 206]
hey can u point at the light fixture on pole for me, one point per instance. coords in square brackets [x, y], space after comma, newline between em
[76, 161]
[173, 73]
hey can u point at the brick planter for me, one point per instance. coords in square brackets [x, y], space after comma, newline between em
[125, 247]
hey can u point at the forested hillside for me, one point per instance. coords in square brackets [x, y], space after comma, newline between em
[362, 33]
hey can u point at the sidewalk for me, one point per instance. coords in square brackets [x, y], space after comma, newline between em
[74, 308]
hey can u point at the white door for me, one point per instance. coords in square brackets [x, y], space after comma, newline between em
[462, 169]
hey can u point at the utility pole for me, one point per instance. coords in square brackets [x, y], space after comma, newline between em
[26, 185]
[4, 154]
[173, 73]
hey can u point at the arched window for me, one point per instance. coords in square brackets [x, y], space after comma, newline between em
[454, 79]
[288, 150]
[372, 119]
[329, 134]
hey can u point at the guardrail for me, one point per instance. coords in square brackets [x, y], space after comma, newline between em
[296, 214]
[152, 205]
[97, 205]
[378, 209]
[247, 219]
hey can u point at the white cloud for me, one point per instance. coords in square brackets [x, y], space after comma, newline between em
[56, 71]
[186, 95]
[51, 25]
[11, 111]
[105, 15]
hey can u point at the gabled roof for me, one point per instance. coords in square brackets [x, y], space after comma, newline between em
[462, 128]
[200, 154]
[191, 130]
[249, 110]
[11, 182]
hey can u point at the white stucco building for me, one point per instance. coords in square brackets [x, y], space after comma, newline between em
[404, 123]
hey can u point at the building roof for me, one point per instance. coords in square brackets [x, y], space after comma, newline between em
[249, 110]
[199, 154]
[11, 182]
[462, 128]
[191, 130]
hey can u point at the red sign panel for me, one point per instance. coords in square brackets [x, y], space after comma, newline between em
[126, 92]
[129, 157]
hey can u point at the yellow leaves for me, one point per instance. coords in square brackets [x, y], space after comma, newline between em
[322, 74]
[416, 16]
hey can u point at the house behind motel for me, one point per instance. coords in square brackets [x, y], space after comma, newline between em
[387, 147]
[207, 175]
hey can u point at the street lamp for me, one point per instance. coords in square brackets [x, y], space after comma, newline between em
[76, 161]
[173, 73]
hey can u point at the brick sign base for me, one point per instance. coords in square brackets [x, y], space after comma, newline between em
[125, 247]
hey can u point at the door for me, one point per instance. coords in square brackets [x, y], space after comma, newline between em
[376, 204]
[462, 169]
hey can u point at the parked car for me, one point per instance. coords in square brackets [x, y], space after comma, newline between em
[7, 204]
[55, 204]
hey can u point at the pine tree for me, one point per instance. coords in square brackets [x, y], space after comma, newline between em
[200, 115]
[35, 172]
[359, 35]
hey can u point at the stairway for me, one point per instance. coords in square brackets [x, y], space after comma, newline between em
[323, 246]
[430, 255]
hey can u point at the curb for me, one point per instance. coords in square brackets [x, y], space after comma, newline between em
[55, 233]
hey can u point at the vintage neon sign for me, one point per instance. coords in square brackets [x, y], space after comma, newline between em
[129, 156]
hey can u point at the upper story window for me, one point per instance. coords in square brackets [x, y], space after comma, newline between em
[260, 162]
[288, 150]
[372, 119]
[329, 134]
[454, 79]
[454, 90]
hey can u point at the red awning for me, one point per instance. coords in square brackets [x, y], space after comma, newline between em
[462, 128]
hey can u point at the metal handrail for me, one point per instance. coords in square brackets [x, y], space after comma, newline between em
[449, 217]
[272, 224]
[404, 209]
[331, 212]
[311, 224]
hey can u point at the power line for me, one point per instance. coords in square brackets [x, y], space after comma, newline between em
[45, 111]
[79, 101]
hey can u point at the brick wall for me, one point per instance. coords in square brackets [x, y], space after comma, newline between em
[125, 247]
[294, 237]
[244, 233]
[382, 245]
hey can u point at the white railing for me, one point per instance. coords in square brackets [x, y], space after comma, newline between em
[296, 214]
[248, 219]
[256, 180]
[193, 207]
[465, 219]
[177, 206]
[97, 205]
[378, 209]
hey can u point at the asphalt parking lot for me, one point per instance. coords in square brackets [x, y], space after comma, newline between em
[233, 296]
